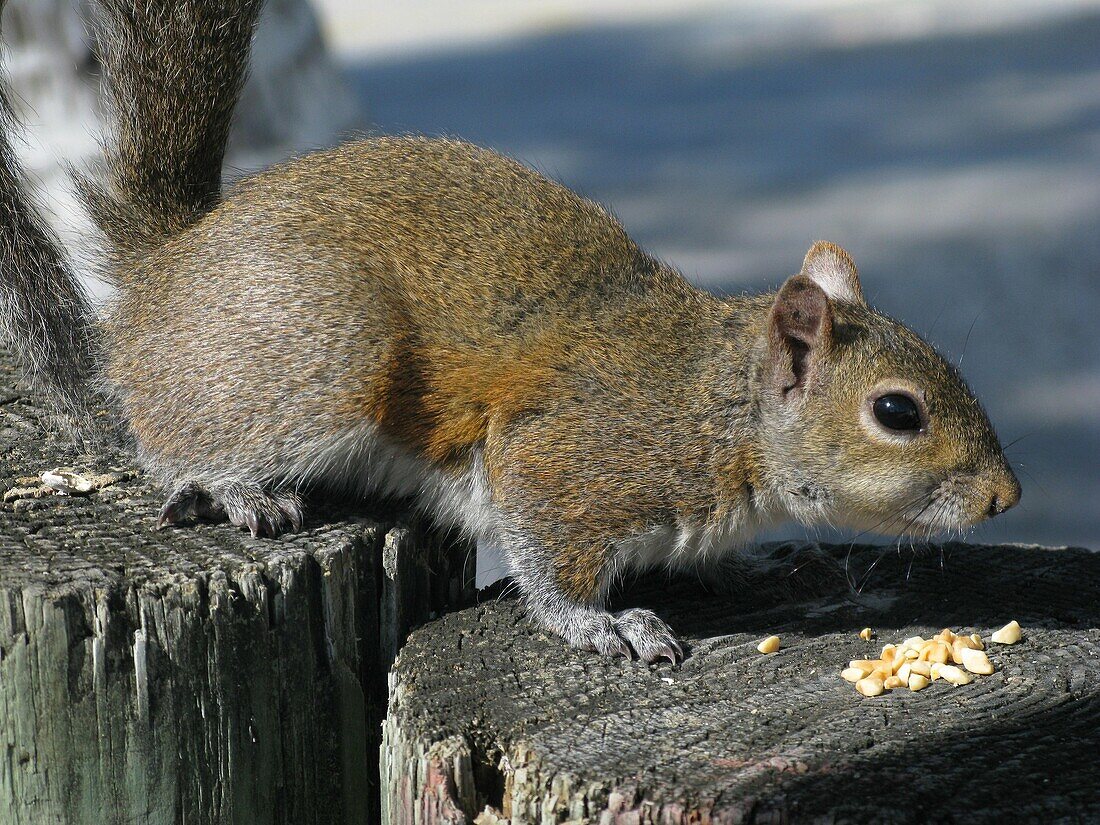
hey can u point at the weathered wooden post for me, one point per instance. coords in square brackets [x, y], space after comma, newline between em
[493, 720]
[194, 675]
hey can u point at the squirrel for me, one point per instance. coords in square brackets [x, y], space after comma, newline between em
[424, 317]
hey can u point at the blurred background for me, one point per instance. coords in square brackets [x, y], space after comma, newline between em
[952, 148]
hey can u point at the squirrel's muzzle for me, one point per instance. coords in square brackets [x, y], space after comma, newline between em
[1005, 492]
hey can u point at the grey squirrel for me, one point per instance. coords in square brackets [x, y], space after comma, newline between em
[429, 318]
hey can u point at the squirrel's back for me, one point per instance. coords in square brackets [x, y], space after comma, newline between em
[439, 221]
[419, 284]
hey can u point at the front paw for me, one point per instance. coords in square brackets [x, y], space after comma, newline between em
[805, 571]
[650, 638]
[634, 632]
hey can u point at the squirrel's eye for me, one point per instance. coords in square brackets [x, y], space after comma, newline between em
[897, 412]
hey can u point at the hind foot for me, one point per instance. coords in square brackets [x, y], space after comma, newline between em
[264, 513]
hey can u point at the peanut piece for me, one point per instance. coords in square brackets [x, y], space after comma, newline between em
[955, 676]
[959, 648]
[871, 686]
[866, 634]
[769, 645]
[977, 662]
[892, 682]
[977, 641]
[937, 652]
[904, 671]
[853, 674]
[920, 668]
[918, 682]
[956, 656]
[1007, 635]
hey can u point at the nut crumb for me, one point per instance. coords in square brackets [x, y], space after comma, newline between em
[769, 645]
[1007, 635]
[917, 662]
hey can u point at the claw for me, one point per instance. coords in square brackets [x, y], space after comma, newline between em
[675, 654]
[183, 505]
[264, 513]
[168, 515]
[633, 634]
[616, 648]
[649, 636]
[670, 652]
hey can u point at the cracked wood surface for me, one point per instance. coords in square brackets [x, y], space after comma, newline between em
[193, 675]
[487, 710]
[197, 675]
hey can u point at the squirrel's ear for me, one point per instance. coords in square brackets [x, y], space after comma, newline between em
[831, 268]
[800, 328]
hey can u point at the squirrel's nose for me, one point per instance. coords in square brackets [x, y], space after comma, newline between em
[1006, 494]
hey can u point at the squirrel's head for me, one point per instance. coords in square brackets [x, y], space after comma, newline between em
[866, 425]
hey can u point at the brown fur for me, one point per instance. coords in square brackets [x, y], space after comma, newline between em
[438, 306]
[174, 73]
[440, 401]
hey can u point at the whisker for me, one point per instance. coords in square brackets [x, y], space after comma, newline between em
[909, 523]
[909, 570]
[967, 341]
[1030, 475]
[1018, 440]
[895, 516]
[934, 520]
[939, 315]
[890, 519]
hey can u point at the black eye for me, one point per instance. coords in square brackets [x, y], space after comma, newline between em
[897, 412]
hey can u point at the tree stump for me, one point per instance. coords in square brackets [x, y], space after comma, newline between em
[486, 710]
[194, 675]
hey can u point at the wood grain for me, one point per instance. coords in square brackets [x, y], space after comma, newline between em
[487, 710]
[195, 675]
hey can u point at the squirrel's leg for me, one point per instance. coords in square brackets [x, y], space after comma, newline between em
[571, 604]
[246, 504]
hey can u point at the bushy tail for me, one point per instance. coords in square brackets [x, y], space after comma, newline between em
[44, 312]
[172, 74]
